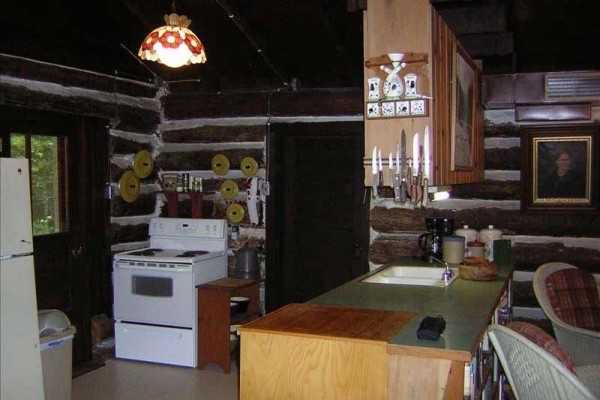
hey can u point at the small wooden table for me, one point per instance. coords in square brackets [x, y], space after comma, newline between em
[214, 317]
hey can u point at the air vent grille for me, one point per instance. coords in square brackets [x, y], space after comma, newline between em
[578, 86]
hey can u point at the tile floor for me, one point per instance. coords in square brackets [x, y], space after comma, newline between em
[133, 380]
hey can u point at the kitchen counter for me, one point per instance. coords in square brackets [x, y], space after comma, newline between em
[299, 350]
[467, 307]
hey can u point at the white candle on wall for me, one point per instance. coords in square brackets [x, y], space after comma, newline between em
[426, 154]
[416, 154]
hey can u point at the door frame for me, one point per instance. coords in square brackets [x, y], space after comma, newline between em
[87, 252]
[275, 221]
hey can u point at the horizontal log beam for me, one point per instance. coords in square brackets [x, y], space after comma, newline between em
[202, 160]
[43, 72]
[303, 102]
[511, 222]
[216, 134]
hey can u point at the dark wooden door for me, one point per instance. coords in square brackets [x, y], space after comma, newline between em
[72, 266]
[317, 220]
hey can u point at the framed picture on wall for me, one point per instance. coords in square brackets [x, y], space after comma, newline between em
[560, 168]
[463, 106]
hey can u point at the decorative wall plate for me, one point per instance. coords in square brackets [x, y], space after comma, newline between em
[249, 166]
[129, 186]
[235, 213]
[220, 164]
[143, 164]
[229, 189]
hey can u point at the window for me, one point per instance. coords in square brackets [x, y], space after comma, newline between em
[48, 179]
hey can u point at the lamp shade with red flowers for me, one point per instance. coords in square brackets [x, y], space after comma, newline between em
[173, 45]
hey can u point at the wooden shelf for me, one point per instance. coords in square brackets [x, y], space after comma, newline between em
[409, 58]
[214, 317]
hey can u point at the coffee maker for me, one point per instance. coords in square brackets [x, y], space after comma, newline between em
[431, 242]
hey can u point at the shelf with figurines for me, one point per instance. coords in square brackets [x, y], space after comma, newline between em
[396, 95]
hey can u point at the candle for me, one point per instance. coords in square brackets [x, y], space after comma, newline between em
[416, 154]
[426, 154]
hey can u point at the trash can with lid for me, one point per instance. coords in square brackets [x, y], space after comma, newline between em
[56, 347]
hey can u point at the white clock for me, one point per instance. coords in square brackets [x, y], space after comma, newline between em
[417, 107]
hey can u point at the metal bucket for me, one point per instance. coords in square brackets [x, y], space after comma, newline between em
[247, 265]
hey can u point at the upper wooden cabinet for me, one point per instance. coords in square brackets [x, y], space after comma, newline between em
[447, 98]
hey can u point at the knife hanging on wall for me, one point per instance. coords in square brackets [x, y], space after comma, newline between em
[403, 188]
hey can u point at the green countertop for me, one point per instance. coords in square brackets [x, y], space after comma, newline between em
[467, 306]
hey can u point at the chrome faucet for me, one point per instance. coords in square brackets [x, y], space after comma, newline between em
[448, 273]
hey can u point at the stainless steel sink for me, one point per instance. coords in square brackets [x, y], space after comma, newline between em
[412, 275]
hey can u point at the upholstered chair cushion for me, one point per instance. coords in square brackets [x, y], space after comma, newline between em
[538, 336]
[573, 294]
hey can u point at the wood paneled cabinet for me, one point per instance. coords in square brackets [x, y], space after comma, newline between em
[440, 91]
[214, 317]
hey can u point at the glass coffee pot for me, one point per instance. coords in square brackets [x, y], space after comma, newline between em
[431, 243]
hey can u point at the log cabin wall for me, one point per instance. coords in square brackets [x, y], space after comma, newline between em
[184, 129]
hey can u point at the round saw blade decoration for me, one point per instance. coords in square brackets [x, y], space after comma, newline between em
[235, 213]
[229, 189]
[220, 164]
[143, 164]
[129, 186]
[249, 166]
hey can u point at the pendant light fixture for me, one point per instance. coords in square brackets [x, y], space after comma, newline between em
[173, 44]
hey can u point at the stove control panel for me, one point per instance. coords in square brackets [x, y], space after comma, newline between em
[192, 228]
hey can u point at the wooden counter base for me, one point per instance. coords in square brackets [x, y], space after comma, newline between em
[309, 351]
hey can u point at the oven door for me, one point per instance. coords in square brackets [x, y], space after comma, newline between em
[154, 296]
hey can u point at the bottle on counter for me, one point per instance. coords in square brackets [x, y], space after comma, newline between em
[488, 236]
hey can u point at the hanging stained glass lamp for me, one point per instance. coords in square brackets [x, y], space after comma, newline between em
[173, 44]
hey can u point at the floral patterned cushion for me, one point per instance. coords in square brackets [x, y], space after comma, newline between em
[574, 297]
[538, 336]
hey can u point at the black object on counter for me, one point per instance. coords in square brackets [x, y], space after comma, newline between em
[431, 328]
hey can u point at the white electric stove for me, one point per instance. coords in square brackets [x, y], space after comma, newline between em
[155, 296]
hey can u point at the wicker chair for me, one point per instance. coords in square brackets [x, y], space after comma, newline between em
[533, 372]
[571, 302]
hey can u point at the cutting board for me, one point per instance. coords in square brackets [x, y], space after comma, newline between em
[332, 321]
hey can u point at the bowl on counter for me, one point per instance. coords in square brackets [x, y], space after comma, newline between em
[242, 303]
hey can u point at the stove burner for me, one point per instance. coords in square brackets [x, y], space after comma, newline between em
[146, 252]
[192, 253]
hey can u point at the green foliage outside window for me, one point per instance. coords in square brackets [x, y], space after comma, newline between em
[45, 197]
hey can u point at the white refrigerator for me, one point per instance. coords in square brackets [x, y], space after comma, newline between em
[21, 363]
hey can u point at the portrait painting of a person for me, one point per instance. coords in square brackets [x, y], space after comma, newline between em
[561, 173]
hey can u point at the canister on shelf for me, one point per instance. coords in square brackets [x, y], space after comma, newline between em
[470, 234]
[453, 249]
[475, 249]
[488, 236]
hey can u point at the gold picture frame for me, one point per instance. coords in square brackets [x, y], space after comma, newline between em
[463, 110]
[560, 172]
